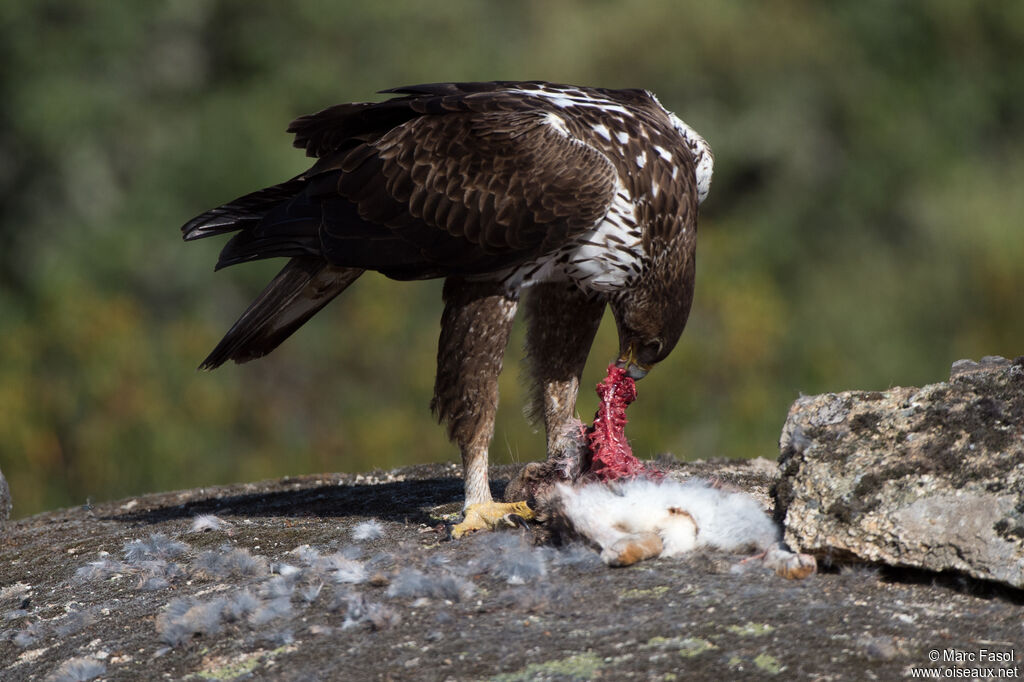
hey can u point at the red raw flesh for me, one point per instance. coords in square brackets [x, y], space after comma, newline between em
[610, 454]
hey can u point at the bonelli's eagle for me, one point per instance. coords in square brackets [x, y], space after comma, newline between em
[585, 196]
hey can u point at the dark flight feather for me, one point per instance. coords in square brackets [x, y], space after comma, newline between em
[299, 291]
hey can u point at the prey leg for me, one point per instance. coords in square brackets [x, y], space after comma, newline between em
[475, 327]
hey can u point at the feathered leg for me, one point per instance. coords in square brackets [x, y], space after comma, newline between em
[475, 327]
[561, 324]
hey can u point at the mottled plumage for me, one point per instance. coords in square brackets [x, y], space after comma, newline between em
[588, 196]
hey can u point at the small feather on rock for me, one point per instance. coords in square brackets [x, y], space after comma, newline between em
[74, 622]
[30, 635]
[510, 558]
[229, 561]
[279, 607]
[208, 522]
[77, 670]
[100, 570]
[368, 530]
[240, 605]
[411, 582]
[158, 546]
[184, 617]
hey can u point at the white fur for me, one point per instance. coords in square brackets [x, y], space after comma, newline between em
[719, 519]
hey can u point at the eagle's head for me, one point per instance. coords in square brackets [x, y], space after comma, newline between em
[650, 316]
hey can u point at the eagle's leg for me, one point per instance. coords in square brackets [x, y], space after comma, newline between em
[561, 324]
[475, 328]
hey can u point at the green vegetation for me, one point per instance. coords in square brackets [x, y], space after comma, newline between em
[863, 230]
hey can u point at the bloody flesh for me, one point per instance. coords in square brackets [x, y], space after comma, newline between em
[610, 454]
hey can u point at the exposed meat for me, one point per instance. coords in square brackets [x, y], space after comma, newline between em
[610, 456]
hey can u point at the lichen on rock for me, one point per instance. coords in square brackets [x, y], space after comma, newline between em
[929, 478]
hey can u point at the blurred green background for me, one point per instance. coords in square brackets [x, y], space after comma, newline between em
[863, 229]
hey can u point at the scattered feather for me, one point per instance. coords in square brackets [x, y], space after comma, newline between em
[306, 555]
[360, 611]
[207, 522]
[240, 605]
[511, 558]
[286, 570]
[15, 592]
[380, 561]
[184, 617]
[152, 583]
[309, 592]
[77, 670]
[157, 574]
[368, 530]
[278, 638]
[438, 561]
[352, 552]
[74, 622]
[158, 546]
[229, 561]
[411, 582]
[100, 570]
[278, 607]
[277, 587]
[28, 636]
[574, 554]
[381, 616]
[342, 569]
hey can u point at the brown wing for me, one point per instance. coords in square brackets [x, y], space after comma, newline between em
[454, 192]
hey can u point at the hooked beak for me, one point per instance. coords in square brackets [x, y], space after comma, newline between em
[634, 369]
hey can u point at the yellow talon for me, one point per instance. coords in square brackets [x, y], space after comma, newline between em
[490, 515]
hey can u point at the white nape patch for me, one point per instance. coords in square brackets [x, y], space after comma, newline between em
[703, 157]
[641, 159]
[602, 130]
[684, 515]
[622, 137]
[558, 123]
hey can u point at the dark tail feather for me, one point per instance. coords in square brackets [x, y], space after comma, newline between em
[243, 212]
[303, 287]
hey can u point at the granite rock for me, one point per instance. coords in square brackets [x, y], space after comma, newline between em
[279, 580]
[929, 478]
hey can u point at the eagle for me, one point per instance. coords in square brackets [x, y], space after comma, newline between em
[575, 198]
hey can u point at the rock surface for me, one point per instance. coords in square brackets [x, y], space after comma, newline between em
[346, 575]
[931, 477]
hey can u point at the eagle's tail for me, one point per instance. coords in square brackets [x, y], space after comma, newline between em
[303, 287]
[244, 212]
